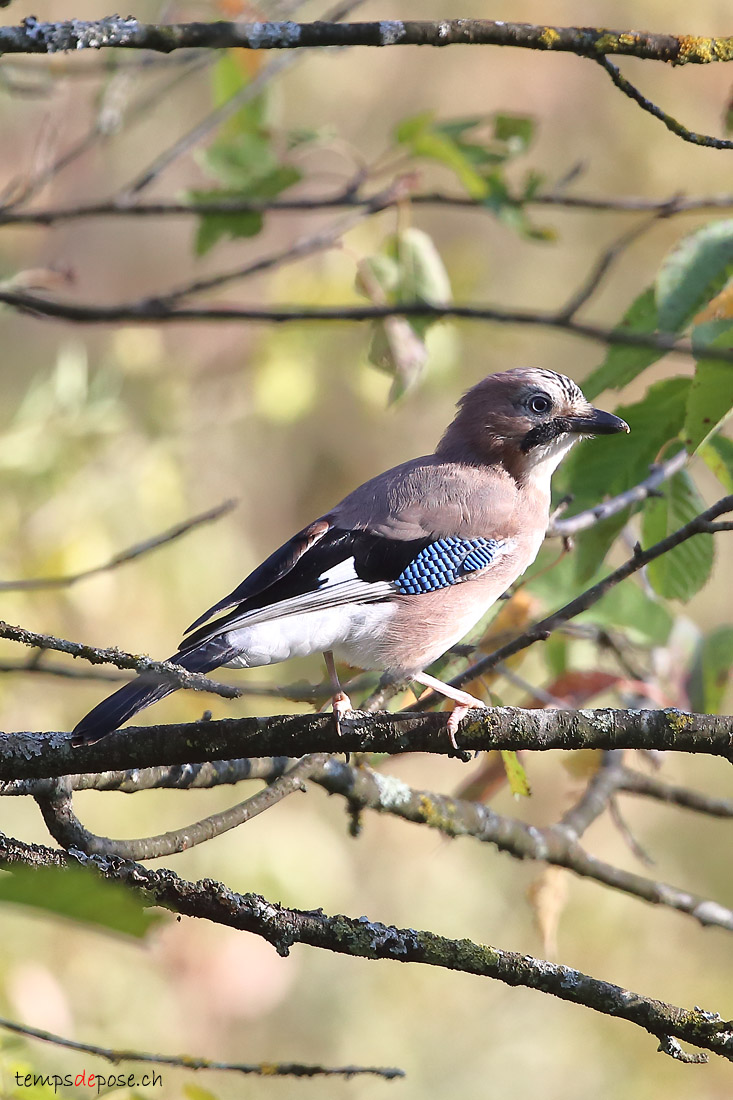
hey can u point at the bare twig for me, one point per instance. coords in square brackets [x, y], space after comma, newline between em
[347, 197]
[151, 311]
[604, 263]
[140, 548]
[186, 1061]
[97, 134]
[659, 473]
[325, 238]
[212, 773]
[672, 124]
[364, 938]
[221, 113]
[65, 827]
[648, 786]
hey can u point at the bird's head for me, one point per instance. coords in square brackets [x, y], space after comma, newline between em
[525, 418]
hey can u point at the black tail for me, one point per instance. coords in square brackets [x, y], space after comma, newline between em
[147, 689]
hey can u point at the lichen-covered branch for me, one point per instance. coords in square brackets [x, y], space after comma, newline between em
[659, 473]
[34, 36]
[363, 938]
[44, 755]
[166, 670]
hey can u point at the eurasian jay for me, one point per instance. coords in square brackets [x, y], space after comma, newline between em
[405, 565]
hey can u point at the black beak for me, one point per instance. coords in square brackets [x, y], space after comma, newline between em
[597, 422]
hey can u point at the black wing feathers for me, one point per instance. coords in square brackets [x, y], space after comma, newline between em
[376, 558]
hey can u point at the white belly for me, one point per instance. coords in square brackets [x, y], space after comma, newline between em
[349, 630]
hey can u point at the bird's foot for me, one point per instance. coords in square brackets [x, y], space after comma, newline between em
[341, 706]
[458, 713]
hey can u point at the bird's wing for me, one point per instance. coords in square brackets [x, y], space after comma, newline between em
[409, 531]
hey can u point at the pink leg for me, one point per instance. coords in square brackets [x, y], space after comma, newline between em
[463, 700]
[341, 702]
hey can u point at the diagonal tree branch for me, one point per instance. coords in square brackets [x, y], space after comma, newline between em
[124, 556]
[659, 473]
[671, 123]
[362, 938]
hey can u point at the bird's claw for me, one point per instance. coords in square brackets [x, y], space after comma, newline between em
[341, 706]
[456, 716]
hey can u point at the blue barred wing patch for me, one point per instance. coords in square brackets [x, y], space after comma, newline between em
[444, 562]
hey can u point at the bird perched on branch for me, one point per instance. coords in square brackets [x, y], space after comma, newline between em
[405, 565]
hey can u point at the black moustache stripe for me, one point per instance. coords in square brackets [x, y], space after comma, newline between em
[545, 433]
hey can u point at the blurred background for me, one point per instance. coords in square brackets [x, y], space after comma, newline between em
[112, 433]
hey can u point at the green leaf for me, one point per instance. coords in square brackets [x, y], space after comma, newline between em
[622, 363]
[711, 395]
[627, 607]
[421, 273]
[228, 79]
[711, 671]
[693, 273]
[608, 465]
[80, 895]
[409, 128]
[515, 773]
[717, 454]
[212, 227]
[681, 572]
[196, 1092]
[517, 130]
[511, 211]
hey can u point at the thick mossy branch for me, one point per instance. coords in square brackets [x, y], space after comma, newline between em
[34, 36]
[363, 938]
[44, 755]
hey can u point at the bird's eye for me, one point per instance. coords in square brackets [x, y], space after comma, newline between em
[539, 403]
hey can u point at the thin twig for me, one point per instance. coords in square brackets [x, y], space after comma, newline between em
[672, 124]
[649, 786]
[151, 311]
[65, 827]
[136, 551]
[605, 262]
[346, 197]
[180, 777]
[186, 1061]
[659, 473]
[325, 238]
[220, 114]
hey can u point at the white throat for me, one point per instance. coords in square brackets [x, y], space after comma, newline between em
[545, 458]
